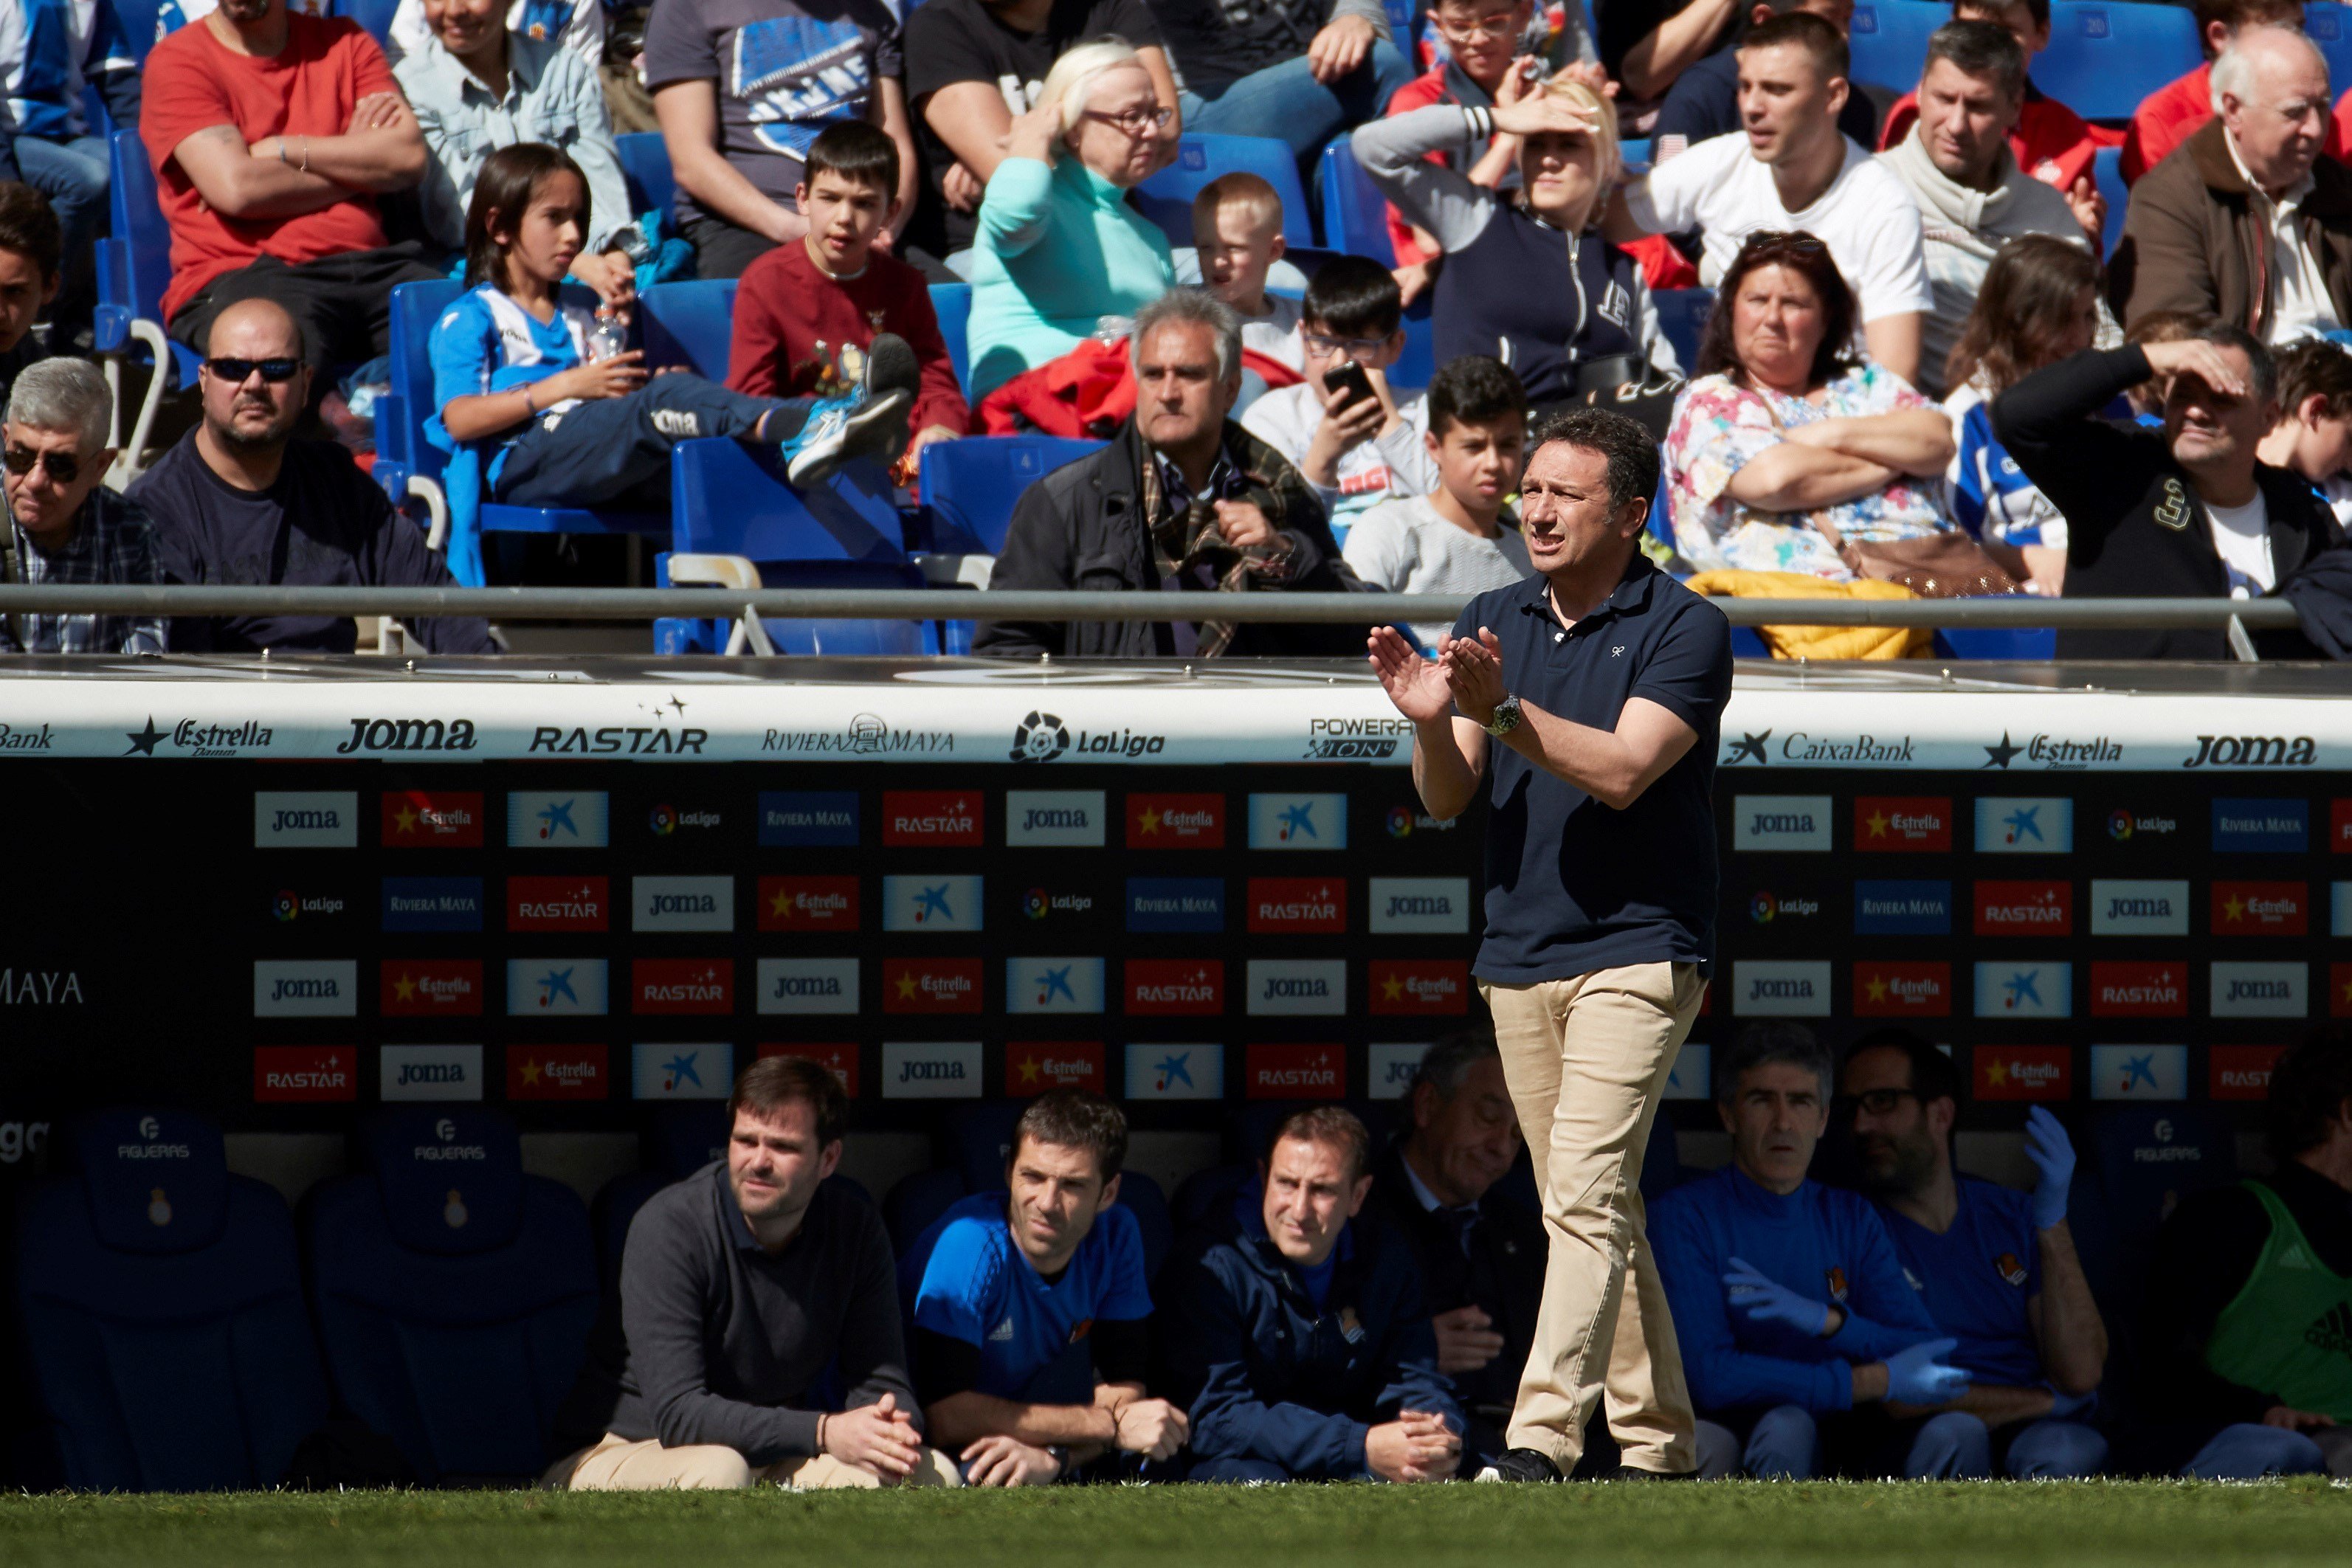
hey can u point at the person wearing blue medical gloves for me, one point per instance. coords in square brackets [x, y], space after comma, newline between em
[1808, 1352]
[1994, 1267]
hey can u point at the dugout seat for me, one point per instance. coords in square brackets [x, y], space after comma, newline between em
[2103, 58]
[2149, 1157]
[677, 1140]
[970, 486]
[1166, 198]
[454, 1292]
[163, 1311]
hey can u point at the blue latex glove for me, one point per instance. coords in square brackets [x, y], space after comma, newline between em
[2054, 1158]
[2065, 1406]
[1918, 1376]
[1764, 1301]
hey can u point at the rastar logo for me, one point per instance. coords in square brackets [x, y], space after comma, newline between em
[841, 1057]
[2251, 751]
[2241, 1071]
[1915, 823]
[1420, 986]
[1175, 986]
[682, 985]
[619, 740]
[1297, 903]
[407, 734]
[437, 988]
[557, 1073]
[1294, 1071]
[931, 985]
[924, 817]
[808, 904]
[2261, 908]
[2026, 909]
[1175, 822]
[558, 903]
[1883, 989]
[2023, 1072]
[1032, 1067]
[432, 818]
[2138, 990]
[284, 1074]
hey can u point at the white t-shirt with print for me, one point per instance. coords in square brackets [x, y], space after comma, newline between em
[1406, 547]
[1370, 472]
[2242, 536]
[1866, 217]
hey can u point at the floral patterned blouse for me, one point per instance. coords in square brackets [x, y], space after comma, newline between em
[1719, 425]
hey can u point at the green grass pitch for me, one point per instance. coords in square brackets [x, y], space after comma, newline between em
[1820, 1525]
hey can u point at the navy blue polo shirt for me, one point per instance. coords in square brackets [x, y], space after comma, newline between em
[1571, 886]
[1978, 1278]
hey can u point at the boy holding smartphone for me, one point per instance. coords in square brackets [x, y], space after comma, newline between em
[1358, 439]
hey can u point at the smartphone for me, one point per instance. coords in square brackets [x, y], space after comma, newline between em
[1350, 382]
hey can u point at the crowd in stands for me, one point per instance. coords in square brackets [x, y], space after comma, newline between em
[1923, 316]
[1353, 1307]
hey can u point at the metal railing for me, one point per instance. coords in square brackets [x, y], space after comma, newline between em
[935, 604]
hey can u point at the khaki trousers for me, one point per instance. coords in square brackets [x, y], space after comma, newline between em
[1586, 1060]
[617, 1464]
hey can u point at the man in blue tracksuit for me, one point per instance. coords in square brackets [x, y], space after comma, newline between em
[1297, 1337]
[1792, 1307]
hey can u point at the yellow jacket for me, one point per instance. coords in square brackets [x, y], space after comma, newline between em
[1821, 642]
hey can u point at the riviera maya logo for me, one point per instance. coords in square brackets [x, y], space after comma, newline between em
[1040, 738]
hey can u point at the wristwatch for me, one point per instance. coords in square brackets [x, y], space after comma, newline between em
[1060, 1455]
[1506, 718]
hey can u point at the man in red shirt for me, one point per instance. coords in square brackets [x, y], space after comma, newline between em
[272, 135]
[2051, 141]
[2171, 114]
[806, 309]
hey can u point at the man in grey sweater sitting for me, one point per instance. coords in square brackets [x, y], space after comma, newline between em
[739, 1286]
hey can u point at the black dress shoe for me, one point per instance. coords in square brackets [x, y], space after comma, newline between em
[1628, 1473]
[1521, 1465]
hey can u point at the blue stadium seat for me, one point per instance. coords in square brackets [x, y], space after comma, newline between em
[969, 487]
[2329, 25]
[2107, 173]
[134, 267]
[951, 302]
[1355, 214]
[139, 19]
[916, 1203]
[979, 1139]
[690, 324]
[454, 1292]
[1682, 316]
[1166, 198]
[1888, 39]
[162, 1310]
[2103, 58]
[375, 16]
[2149, 1157]
[2032, 645]
[644, 165]
[403, 452]
[1419, 361]
[1204, 1196]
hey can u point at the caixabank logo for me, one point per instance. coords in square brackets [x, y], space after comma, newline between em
[699, 1071]
[2140, 1073]
[1052, 985]
[931, 904]
[557, 820]
[556, 988]
[1295, 1072]
[436, 987]
[2024, 825]
[1175, 1072]
[2025, 990]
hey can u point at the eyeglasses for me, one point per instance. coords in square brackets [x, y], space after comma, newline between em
[63, 467]
[1357, 346]
[1878, 1101]
[1135, 121]
[1496, 26]
[234, 371]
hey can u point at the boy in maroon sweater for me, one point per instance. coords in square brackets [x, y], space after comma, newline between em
[811, 304]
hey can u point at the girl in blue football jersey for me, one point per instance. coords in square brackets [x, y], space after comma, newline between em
[536, 414]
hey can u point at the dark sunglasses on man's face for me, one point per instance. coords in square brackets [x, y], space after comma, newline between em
[233, 372]
[63, 467]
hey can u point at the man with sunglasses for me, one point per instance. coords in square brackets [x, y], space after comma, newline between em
[240, 501]
[1995, 1267]
[64, 526]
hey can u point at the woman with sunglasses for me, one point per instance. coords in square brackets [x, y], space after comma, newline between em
[1790, 441]
[1058, 247]
[1527, 277]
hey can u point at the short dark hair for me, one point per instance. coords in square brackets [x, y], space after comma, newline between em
[1626, 442]
[2314, 367]
[2236, 14]
[510, 179]
[28, 225]
[1331, 1124]
[1979, 49]
[1761, 1043]
[1817, 36]
[1474, 390]
[1933, 1076]
[1800, 253]
[2309, 1084]
[1354, 297]
[2259, 358]
[1446, 1064]
[1075, 1119]
[773, 1082]
[1982, 9]
[855, 151]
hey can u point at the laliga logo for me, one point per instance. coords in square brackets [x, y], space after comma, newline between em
[289, 905]
[664, 821]
[1040, 738]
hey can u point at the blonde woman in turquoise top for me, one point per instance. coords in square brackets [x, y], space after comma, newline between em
[1058, 248]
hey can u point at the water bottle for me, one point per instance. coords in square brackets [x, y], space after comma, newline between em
[609, 336]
